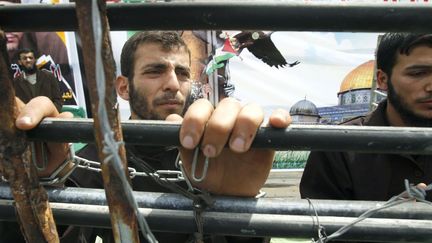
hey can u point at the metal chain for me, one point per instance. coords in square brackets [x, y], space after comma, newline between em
[166, 175]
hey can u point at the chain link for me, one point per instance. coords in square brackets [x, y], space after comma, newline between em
[167, 175]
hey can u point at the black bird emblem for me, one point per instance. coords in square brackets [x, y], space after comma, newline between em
[262, 47]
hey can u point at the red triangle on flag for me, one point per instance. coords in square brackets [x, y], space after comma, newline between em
[228, 47]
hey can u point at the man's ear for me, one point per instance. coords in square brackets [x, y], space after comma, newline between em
[122, 87]
[382, 79]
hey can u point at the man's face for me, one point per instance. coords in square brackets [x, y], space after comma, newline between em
[410, 87]
[13, 39]
[161, 82]
[27, 61]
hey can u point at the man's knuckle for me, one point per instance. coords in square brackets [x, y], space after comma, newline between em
[218, 127]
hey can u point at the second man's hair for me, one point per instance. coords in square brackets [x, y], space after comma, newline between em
[392, 44]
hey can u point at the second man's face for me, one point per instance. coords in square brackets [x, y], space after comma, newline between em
[27, 60]
[161, 82]
[411, 82]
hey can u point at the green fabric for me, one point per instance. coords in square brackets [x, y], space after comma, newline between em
[78, 112]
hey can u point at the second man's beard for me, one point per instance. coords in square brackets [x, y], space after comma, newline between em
[29, 70]
[407, 115]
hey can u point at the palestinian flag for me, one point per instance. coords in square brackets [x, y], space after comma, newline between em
[221, 55]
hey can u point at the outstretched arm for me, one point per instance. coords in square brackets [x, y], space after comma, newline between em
[236, 169]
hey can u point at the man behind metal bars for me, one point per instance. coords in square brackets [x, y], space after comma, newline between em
[404, 69]
[155, 79]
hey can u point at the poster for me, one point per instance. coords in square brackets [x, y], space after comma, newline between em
[326, 58]
[55, 52]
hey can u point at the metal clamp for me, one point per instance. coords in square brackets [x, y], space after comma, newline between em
[55, 177]
[194, 163]
[43, 154]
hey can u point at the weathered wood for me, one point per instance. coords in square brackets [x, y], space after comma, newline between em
[123, 216]
[31, 200]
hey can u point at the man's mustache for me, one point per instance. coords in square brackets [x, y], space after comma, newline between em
[168, 98]
[425, 99]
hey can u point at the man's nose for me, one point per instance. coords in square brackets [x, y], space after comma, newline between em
[428, 85]
[171, 82]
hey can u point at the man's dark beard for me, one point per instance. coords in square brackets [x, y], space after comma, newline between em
[408, 116]
[31, 70]
[140, 106]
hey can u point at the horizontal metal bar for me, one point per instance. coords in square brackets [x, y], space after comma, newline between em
[171, 201]
[265, 15]
[243, 224]
[296, 137]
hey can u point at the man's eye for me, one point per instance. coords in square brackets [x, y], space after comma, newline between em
[152, 72]
[418, 73]
[184, 74]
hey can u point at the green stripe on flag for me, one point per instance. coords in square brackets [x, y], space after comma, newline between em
[217, 61]
[212, 66]
[223, 57]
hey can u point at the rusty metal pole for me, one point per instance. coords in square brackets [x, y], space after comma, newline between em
[31, 200]
[123, 215]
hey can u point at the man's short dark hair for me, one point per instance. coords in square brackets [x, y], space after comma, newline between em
[25, 50]
[167, 39]
[392, 44]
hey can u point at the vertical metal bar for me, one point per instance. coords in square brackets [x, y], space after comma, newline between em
[31, 200]
[373, 95]
[123, 217]
[214, 79]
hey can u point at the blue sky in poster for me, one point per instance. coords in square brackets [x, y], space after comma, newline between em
[326, 58]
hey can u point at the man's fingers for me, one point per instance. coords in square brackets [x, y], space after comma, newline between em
[34, 111]
[421, 186]
[65, 114]
[194, 123]
[174, 117]
[248, 121]
[220, 126]
[228, 123]
[280, 118]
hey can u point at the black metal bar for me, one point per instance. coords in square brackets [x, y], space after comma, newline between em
[382, 230]
[171, 201]
[295, 137]
[278, 15]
